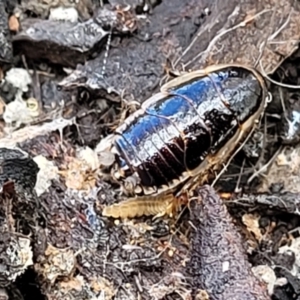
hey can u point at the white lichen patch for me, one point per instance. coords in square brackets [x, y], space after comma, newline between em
[20, 112]
[266, 274]
[103, 149]
[48, 171]
[19, 78]
[89, 156]
[20, 254]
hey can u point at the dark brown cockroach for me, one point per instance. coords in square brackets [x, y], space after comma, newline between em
[181, 136]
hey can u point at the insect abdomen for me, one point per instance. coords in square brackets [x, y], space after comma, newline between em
[194, 116]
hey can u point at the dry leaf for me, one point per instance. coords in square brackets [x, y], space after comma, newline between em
[251, 221]
[78, 175]
[13, 23]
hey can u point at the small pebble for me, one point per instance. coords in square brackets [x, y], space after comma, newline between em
[69, 14]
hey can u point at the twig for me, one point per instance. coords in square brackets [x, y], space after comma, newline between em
[264, 167]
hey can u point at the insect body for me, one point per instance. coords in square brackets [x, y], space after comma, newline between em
[181, 135]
